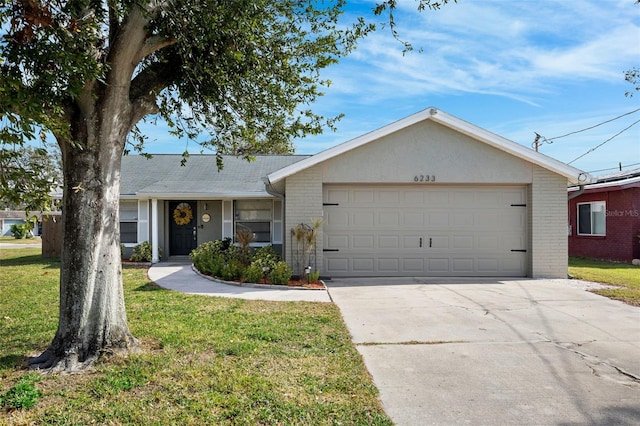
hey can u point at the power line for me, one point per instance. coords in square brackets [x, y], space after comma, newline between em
[598, 146]
[614, 168]
[593, 127]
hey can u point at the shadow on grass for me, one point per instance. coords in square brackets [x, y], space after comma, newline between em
[35, 259]
[149, 287]
[12, 361]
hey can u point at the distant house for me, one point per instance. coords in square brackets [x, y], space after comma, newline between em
[604, 218]
[15, 217]
[428, 195]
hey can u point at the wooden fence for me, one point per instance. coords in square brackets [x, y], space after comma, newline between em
[51, 236]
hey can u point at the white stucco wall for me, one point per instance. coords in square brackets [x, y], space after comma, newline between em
[548, 244]
[431, 149]
[303, 203]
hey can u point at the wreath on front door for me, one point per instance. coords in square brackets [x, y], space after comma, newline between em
[182, 215]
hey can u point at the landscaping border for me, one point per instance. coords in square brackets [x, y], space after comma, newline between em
[256, 285]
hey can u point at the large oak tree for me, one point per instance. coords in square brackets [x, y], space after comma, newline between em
[88, 71]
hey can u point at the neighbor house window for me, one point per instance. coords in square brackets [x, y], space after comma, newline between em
[129, 221]
[591, 218]
[255, 216]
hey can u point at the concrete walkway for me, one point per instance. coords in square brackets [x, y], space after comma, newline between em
[180, 277]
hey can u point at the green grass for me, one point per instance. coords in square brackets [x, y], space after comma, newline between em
[12, 240]
[205, 360]
[625, 276]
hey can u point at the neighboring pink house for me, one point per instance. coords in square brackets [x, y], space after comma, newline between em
[604, 218]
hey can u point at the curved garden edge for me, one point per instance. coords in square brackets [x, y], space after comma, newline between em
[256, 285]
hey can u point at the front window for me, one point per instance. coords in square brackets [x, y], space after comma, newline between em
[591, 218]
[256, 217]
[129, 221]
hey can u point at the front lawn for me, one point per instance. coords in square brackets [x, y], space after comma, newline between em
[626, 277]
[205, 361]
[13, 240]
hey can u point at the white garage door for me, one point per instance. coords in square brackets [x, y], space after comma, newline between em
[425, 230]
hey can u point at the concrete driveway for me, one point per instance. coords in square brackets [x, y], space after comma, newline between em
[534, 352]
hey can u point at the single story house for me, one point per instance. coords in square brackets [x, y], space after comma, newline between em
[604, 218]
[17, 217]
[428, 195]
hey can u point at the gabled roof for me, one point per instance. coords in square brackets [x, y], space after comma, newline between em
[163, 176]
[572, 174]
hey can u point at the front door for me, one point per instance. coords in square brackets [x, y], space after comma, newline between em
[182, 229]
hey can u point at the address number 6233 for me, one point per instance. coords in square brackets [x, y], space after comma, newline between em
[424, 178]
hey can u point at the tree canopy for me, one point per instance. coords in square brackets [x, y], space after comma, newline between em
[243, 72]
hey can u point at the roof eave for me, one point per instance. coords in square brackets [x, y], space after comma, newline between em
[201, 195]
[573, 175]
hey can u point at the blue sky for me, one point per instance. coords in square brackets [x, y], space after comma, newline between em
[512, 67]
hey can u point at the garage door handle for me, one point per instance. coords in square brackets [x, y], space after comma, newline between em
[519, 250]
[330, 249]
[430, 242]
[420, 242]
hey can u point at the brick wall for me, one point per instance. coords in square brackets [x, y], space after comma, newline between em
[303, 204]
[622, 226]
[548, 225]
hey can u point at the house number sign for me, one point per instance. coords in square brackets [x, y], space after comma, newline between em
[424, 178]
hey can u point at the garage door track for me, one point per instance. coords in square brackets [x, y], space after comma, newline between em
[447, 351]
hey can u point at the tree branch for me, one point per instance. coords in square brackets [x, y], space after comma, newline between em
[154, 44]
[148, 84]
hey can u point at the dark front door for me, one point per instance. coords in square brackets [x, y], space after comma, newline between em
[182, 228]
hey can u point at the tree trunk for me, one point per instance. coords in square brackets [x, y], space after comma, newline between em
[92, 317]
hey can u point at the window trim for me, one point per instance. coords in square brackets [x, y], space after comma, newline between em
[237, 219]
[136, 220]
[591, 222]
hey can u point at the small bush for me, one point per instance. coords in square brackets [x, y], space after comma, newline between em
[143, 252]
[266, 257]
[280, 273]
[232, 270]
[20, 230]
[252, 273]
[23, 395]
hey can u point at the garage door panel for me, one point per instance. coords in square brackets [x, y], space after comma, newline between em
[388, 242]
[338, 265]
[463, 242]
[463, 266]
[387, 265]
[363, 264]
[439, 219]
[413, 265]
[363, 241]
[389, 219]
[438, 265]
[336, 241]
[488, 266]
[363, 219]
[420, 230]
[413, 220]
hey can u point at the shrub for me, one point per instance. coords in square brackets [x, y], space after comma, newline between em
[143, 252]
[252, 273]
[280, 273]
[23, 395]
[20, 230]
[208, 256]
[232, 270]
[266, 257]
